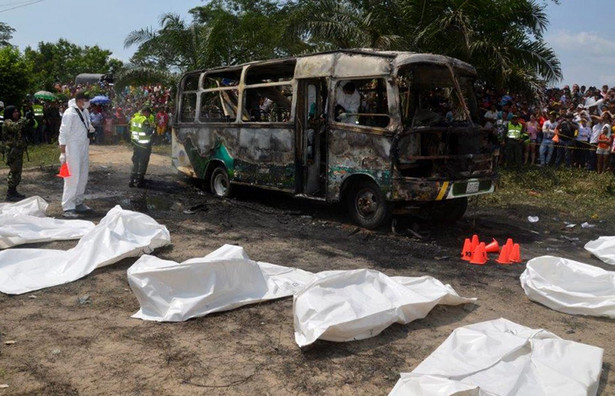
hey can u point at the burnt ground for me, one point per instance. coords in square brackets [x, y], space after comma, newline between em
[62, 347]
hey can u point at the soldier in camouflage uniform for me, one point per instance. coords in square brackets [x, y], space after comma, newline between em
[14, 143]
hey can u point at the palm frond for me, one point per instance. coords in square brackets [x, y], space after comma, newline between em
[132, 75]
[139, 37]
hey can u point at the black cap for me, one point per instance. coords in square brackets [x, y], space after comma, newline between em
[146, 108]
[82, 95]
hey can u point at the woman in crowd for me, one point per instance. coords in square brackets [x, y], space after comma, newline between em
[531, 128]
[604, 148]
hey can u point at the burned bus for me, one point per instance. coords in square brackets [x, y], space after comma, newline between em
[377, 130]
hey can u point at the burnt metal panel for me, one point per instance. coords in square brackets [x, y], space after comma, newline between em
[256, 155]
[361, 65]
[352, 153]
[406, 58]
[315, 66]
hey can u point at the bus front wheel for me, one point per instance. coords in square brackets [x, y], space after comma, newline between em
[367, 205]
[220, 184]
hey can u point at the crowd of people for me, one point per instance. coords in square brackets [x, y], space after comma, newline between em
[110, 119]
[569, 127]
[79, 123]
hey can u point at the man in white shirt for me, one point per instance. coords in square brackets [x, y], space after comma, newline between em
[490, 117]
[74, 148]
[347, 102]
[547, 146]
[582, 142]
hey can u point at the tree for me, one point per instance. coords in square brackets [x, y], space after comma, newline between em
[62, 61]
[333, 24]
[14, 76]
[177, 45]
[502, 38]
[6, 33]
[221, 33]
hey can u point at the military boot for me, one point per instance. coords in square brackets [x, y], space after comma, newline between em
[13, 196]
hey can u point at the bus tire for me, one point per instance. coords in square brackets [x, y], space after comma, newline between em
[219, 182]
[367, 205]
[449, 211]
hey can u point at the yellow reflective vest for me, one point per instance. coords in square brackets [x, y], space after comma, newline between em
[141, 128]
[514, 131]
[38, 111]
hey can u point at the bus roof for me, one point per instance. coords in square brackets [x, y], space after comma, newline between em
[356, 63]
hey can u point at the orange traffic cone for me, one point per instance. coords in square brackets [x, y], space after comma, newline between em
[480, 255]
[475, 242]
[493, 247]
[515, 255]
[466, 252]
[64, 171]
[504, 255]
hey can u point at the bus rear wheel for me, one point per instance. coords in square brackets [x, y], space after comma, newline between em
[367, 205]
[220, 184]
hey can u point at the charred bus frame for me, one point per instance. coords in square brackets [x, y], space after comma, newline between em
[415, 140]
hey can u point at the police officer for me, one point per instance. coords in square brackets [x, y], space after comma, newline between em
[14, 142]
[39, 113]
[141, 131]
[514, 142]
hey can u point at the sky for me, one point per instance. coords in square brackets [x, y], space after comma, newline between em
[581, 32]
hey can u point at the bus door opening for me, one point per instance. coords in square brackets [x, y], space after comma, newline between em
[314, 137]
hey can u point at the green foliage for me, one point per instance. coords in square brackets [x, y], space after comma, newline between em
[14, 76]
[42, 155]
[63, 61]
[333, 24]
[502, 38]
[6, 34]
[221, 33]
[577, 193]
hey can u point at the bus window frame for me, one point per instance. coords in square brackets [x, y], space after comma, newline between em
[291, 119]
[229, 88]
[390, 85]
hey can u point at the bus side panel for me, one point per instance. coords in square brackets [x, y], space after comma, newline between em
[179, 155]
[257, 156]
[352, 153]
[266, 157]
[194, 148]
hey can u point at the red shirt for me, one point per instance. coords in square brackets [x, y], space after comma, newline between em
[163, 118]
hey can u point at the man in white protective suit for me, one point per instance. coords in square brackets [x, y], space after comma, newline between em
[74, 148]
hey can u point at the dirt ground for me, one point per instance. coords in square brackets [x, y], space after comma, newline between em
[63, 347]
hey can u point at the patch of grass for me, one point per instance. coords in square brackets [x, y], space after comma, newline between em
[164, 149]
[40, 155]
[44, 155]
[578, 193]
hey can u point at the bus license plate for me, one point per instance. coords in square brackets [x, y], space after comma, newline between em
[472, 187]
